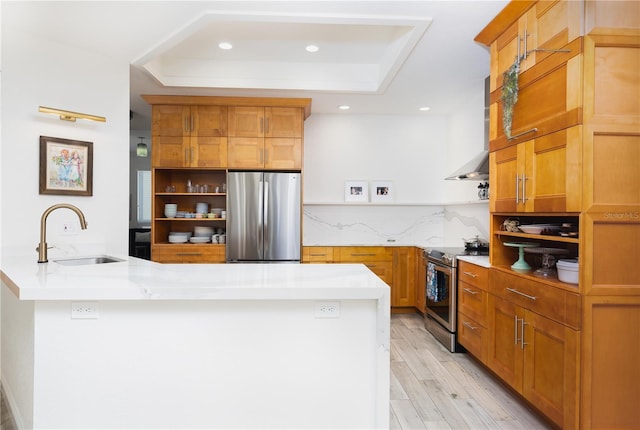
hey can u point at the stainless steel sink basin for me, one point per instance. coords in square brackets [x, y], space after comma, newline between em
[83, 261]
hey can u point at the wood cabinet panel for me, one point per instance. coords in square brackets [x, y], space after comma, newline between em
[472, 301]
[542, 298]
[190, 253]
[504, 356]
[404, 282]
[384, 270]
[189, 136]
[359, 254]
[539, 175]
[611, 377]
[473, 274]
[317, 254]
[269, 137]
[473, 336]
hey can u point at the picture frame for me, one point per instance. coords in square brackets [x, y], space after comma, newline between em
[382, 191]
[356, 191]
[66, 166]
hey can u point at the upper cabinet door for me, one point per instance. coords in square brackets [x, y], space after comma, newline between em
[170, 136]
[283, 122]
[246, 121]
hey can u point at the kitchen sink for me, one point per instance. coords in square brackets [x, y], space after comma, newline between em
[83, 261]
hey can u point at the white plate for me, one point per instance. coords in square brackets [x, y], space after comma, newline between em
[540, 228]
[200, 239]
[178, 239]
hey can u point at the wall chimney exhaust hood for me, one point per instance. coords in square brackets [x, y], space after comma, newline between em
[477, 169]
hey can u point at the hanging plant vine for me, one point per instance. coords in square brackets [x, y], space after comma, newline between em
[509, 95]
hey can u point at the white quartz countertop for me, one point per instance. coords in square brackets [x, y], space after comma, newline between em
[480, 260]
[137, 279]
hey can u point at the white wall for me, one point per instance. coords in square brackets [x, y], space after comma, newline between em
[39, 72]
[416, 153]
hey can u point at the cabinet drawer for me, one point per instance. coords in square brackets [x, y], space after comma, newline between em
[473, 274]
[188, 253]
[360, 254]
[472, 301]
[384, 270]
[554, 303]
[473, 336]
[317, 254]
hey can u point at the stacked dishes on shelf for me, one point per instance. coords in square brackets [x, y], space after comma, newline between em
[201, 234]
[170, 210]
[179, 236]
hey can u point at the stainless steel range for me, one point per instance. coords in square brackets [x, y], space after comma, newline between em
[441, 292]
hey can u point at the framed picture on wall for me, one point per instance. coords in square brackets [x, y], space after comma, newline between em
[356, 191]
[381, 191]
[66, 166]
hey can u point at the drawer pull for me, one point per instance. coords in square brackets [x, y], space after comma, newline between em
[363, 255]
[522, 294]
[188, 253]
[515, 136]
[318, 255]
[466, 290]
[473, 275]
[466, 324]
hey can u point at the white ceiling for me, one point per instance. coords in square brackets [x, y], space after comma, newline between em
[379, 57]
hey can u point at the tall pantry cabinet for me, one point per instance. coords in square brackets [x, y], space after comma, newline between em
[573, 156]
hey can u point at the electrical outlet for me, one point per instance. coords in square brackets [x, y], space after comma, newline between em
[327, 309]
[84, 310]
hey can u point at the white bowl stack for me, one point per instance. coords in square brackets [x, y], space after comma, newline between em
[170, 210]
[179, 236]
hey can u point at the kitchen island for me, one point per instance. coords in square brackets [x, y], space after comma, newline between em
[136, 344]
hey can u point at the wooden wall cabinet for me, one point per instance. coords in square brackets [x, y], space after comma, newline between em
[540, 175]
[577, 138]
[189, 136]
[265, 137]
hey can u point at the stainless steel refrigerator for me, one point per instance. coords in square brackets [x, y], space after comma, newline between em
[263, 217]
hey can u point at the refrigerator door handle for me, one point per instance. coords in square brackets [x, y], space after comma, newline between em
[260, 226]
[265, 216]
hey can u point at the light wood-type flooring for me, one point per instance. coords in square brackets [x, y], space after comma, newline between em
[434, 389]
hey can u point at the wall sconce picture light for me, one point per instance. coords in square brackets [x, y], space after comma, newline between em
[67, 115]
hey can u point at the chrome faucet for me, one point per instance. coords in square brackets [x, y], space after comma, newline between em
[42, 247]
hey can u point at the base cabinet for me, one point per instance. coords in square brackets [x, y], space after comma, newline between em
[536, 356]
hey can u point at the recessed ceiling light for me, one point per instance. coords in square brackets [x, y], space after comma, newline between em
[225, 45]
[425, 108]
[344, 107]
[312, 48]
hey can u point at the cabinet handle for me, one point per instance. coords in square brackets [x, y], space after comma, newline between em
[517, 189]
[318, 255]
[466, 290]
[186, 124]
[467, 324]
[473, 275]
[266, 155]
[515, 329]
[522, 342]
[261, 125]
[261, 157]
[525, 54]
[191, 157]
[266, 127]
[186, 154]
[515, 136]
[192, 127]
[524, 188]
[522, 294]
[188, 253]
[363, 255]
